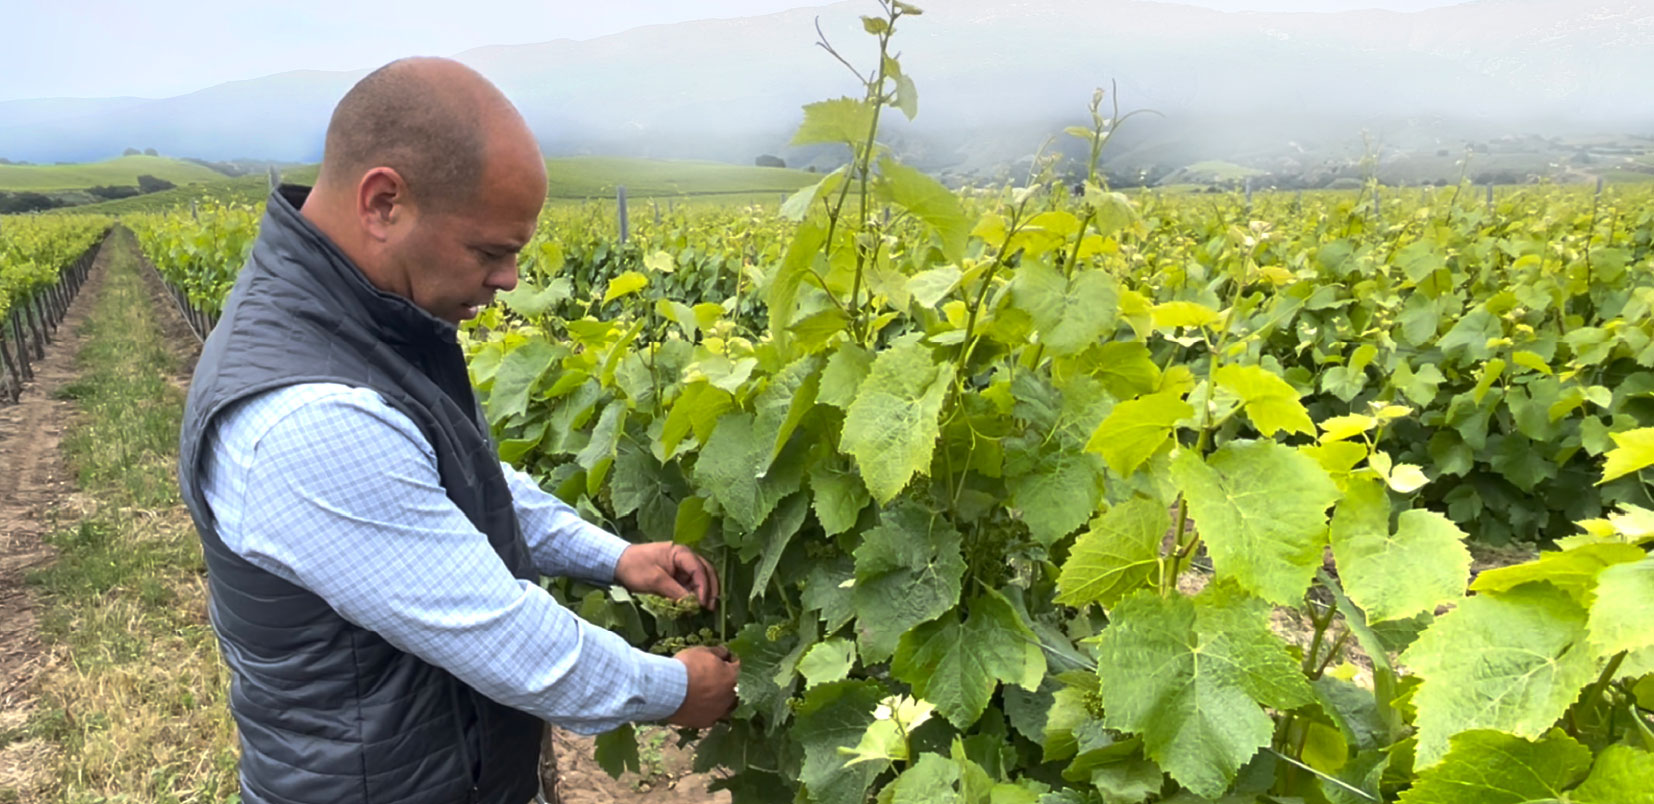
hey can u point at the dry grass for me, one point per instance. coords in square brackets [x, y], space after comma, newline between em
[133, 705]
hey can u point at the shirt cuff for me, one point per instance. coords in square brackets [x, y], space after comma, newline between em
[663, 684]
[598, 555]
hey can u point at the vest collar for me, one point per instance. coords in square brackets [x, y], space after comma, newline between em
[396, 318]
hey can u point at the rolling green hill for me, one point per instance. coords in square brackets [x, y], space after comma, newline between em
[119, 171]
[568, 178]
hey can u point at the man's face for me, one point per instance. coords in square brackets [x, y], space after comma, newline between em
[454, 260]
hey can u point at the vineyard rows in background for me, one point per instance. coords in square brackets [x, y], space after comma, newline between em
[44, 261]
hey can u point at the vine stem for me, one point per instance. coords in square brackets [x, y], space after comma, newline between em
[1168, 576]
[1384, 674]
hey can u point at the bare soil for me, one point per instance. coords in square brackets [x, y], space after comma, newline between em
[33, 482]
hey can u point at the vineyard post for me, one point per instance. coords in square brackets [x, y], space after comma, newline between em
[1599, 186]
[620, 201]
[14, 384]
[22, 345]
[1249, 195]
[36, 323]
[655, 208]
[1490, 196]
[1376, 214]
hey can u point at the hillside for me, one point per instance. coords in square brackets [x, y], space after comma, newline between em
[123, 170]
[568, 178]
[1236, 87]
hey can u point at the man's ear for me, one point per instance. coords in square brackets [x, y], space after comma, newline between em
[382, 199]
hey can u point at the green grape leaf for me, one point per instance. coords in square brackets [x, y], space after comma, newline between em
[1573, 571]
[930, 780]
[958, 666]
[1271, 403]
[929, 288]
[1128, 781]
[1491, 767]
[827, 661]
[760, 658]
[1116, 556]
[1192, 677]
[929, 200]
[1261, 507]
[789, 277]
[842, 121]
[1134, 431]
[908, 571]
[1070, 313]
[519, 372]
[605, 436]
[1125, 368]
[1621, 775]
[1633, 450]
[838, 498]
[616, 751]
[1059, 495]
[771, 540]
[529, 300]
[842, 378]
[790, 394]
[891, 428]
[625, 284]
[1395, 576]
[1622, 616]
[730, 466]
[827, 590]
[1531, 659]
[834, 716]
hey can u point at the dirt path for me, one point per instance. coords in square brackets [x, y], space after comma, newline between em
[33, 480]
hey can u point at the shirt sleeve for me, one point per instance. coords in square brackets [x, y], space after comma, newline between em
[343, 497]
[561, 542]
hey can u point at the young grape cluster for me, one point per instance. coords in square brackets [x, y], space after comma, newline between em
[670, 645]
[668, 608]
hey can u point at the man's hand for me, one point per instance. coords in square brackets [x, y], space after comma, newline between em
[711, 693]
[669, 570]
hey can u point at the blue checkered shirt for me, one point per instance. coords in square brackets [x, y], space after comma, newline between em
[328, 487]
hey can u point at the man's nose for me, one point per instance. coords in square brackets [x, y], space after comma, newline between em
[504, 280]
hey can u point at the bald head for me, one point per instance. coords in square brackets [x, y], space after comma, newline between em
[434, 121]
[431, 184]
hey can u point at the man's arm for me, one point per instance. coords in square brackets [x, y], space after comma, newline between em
[342, 496]
[564, 544]
[561, 542]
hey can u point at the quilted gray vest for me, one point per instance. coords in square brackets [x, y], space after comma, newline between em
[330, 712]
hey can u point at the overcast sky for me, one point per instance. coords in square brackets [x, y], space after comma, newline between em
[160, 48]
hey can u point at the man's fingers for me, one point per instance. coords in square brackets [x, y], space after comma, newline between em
[691, 567]
[721, 651]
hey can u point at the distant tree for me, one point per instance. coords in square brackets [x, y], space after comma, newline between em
[27, 202]
[4, 161]
[811, 169]
[150, 184]
[766, 160]
[114, 191]
[150, 152]
[1441, 152]
[130, 152]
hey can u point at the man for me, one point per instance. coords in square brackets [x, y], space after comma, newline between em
[373, 566]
